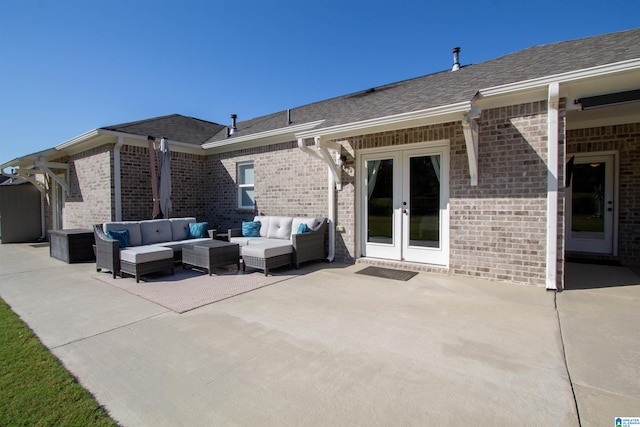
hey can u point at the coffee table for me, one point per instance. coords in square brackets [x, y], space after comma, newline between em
[211, 254]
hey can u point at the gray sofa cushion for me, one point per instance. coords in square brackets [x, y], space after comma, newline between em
[140, 254]
[279, 227]
[180, 228]
[264, 224]
[312, 223]
[135, 235]
[155, 231]
[266, 248]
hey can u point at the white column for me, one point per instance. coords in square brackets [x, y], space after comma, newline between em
[552, 186]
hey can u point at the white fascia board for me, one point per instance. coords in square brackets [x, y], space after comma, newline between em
[571, 76]
[267, 136]
[175, 145]
[29, 159]
[397, 121]
[78, 139]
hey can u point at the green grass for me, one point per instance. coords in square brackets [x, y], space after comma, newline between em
[35, 389]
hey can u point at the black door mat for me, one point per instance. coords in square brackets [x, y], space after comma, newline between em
[387, 273]
[610, 262]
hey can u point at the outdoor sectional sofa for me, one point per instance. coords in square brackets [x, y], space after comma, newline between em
[280, 241]
[153, 245]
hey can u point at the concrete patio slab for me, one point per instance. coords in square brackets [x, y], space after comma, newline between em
[330, 347]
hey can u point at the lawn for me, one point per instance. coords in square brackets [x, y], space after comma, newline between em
[35, 389]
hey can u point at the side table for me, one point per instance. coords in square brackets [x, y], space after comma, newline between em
[72, 245]
[211, 254]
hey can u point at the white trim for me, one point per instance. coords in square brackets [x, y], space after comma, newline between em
[395, 121]
[615, 155]
[263, 135]
[552, 186]
[570, 76]
[444, 146]
[240, 186]
[78, 139]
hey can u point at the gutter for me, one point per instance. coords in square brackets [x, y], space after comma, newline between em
[543, 82]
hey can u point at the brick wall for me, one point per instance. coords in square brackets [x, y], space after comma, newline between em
[187, 184]
[90, 197]
[497, 229]
[287, 182]
[625, 139]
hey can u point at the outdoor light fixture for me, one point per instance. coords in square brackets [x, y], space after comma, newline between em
[342, 160]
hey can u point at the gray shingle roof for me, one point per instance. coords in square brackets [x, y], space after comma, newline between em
[174, 127]
[447, 87]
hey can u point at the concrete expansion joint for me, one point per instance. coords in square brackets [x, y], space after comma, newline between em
[564, 358]
[126, 325]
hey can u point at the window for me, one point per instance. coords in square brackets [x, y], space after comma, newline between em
[245, 186]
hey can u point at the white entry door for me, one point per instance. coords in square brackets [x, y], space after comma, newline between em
[591, 205]
[405, 204]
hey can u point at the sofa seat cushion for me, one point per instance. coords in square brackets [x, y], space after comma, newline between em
[141, 254]
[266, 248]
[242, 241]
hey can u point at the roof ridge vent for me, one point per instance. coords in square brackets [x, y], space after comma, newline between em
[456, 59]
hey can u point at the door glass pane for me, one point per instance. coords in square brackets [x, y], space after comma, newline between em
[424, 201]
[380, 201]
[587, 201]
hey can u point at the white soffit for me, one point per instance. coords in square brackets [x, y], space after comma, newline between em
[261, 138]
[453, 112]
[616, 77]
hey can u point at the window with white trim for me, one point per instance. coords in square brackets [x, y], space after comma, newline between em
[245, 186]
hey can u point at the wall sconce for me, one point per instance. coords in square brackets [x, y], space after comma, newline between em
[342, 160]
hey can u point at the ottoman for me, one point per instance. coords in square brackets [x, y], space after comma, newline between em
[140, 260]
[266, 254]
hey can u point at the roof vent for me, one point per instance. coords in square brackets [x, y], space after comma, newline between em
[456, 59]
[234, 128]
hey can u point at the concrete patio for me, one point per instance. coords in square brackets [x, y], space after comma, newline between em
[331, 347]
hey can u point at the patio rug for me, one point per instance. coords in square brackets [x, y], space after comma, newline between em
[189, 289]
[387, 273]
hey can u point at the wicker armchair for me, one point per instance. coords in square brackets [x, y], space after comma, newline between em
[309, 246]
[107, 251]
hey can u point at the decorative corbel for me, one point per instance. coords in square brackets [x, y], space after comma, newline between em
[470, 130]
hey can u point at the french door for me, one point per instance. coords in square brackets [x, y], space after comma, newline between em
[590, 204]
[405, 204]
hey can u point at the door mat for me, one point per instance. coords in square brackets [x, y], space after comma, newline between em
[611, 262]
[387, 273]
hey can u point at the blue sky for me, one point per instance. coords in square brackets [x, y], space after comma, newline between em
[67, 67]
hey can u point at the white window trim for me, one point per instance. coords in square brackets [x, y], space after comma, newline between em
[245, 186]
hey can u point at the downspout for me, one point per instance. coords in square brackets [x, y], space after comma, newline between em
[331, 195]
[552, 186]
[117, 180]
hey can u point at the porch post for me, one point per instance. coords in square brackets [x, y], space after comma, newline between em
[552, 186]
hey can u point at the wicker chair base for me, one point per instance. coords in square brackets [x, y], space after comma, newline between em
[266, 263]
[143, 268]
